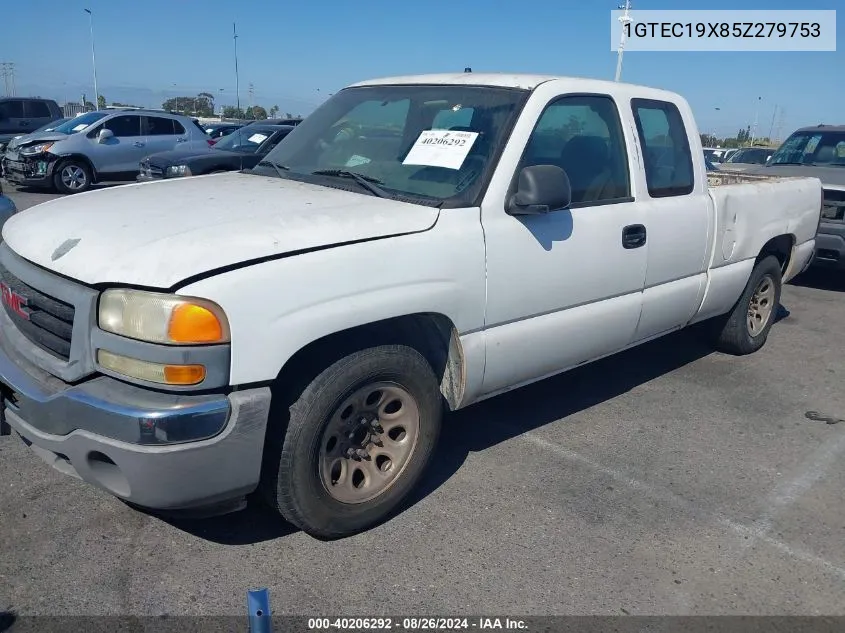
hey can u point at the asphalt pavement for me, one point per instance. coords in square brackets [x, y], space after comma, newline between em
[666, 480]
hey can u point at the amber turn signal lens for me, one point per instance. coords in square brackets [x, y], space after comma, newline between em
[184, 374]
[190, 323]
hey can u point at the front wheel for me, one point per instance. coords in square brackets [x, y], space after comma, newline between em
[746, 327]
[358, 440]
[72, 177]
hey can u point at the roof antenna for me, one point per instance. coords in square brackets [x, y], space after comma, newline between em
[467, 69]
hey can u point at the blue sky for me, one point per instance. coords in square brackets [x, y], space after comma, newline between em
[297, 53]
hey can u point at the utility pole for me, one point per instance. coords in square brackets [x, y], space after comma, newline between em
[780, 125]
[756, 118]
[7, 69]
[93, 60]
[251, 99]
[237, 80]
[625, 19]
[772, 126]
[715, 140]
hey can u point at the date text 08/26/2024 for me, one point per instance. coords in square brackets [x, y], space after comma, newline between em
[416, 624]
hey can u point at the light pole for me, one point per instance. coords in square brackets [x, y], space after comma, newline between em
[625, 19]
[715, 140]
[756, 118]
[93, 60]
[237, 81]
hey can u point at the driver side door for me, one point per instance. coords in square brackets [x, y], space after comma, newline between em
[123, 151]
[565, 287]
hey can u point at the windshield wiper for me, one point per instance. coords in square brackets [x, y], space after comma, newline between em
[279, 168]
[367, 182]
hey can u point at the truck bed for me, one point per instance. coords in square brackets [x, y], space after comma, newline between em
[721, 178]
[751, 209]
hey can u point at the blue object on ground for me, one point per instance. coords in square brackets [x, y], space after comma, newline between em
[258, 605]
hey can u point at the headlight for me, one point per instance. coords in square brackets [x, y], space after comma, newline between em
[162, 318]
[32, 150]
[178, 170]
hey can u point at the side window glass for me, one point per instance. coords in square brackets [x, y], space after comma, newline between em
[177, 127]
[122, 126]
[668, 161]
[11, 109]
[37, 110]
[583, 135]
[159, 126]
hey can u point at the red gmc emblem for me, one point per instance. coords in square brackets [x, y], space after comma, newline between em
[14, 301]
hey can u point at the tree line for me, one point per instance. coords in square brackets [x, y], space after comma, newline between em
[742, 139]
[203, 105]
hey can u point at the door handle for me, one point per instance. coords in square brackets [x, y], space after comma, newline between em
[181, 140]
[633, 236]
[139, 144]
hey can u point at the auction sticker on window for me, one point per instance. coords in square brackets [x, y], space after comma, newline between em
[257, 138]
[441, 148]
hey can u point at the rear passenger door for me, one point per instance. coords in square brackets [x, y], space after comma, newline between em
[121, 153]
[162, 134]
[678, 217]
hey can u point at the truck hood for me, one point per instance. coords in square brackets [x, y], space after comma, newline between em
[157, 234]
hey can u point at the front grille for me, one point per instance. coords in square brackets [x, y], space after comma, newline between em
[45, 321]
[833, 207]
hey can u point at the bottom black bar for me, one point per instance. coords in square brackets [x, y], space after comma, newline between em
[529, 624]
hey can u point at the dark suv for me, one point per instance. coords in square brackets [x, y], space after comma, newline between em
[22, 115]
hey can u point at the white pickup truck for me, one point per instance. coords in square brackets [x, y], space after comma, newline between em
[416, 245]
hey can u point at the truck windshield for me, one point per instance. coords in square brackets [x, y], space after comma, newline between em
[435, 144]
[812, 147]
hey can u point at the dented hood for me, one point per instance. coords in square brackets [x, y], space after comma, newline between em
[157, 234]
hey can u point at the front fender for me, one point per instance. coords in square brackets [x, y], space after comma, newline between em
[278, 307]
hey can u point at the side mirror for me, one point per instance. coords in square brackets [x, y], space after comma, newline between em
[104, 135]
[541, 189]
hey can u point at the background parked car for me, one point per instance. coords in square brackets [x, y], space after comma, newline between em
[24, 115]
[242, 149]
[818, 152]
[216, 131]
[98, 146]
[7, 209]
[750, 156]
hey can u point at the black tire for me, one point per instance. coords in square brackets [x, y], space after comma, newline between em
[732, 332]
[293, 482]
[81, 181]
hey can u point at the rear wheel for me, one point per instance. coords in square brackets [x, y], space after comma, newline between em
[358, 440]
[745, 329]
[72, 177]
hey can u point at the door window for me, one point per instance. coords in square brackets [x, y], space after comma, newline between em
[159, 126]
[37, 110]
[583, 135]
[668, 161]
[11, 109]
[122, 126]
